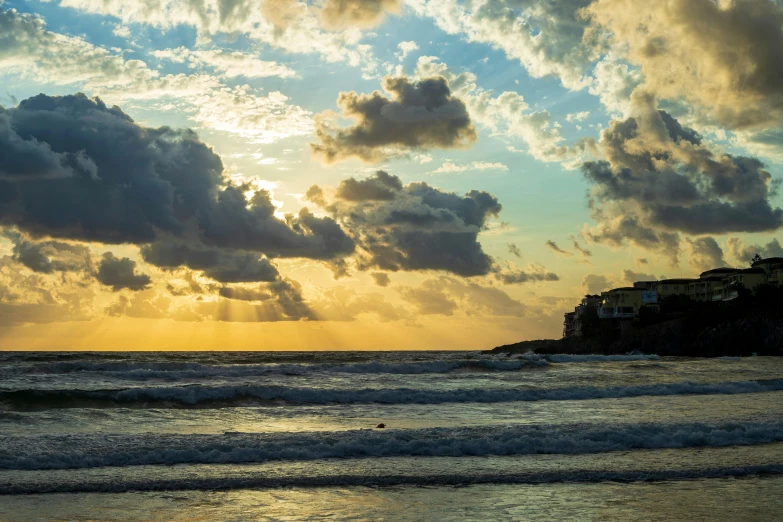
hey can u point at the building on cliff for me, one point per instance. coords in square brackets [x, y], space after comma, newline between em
[718, 284]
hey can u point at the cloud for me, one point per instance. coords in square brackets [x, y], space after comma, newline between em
[380, 187]
[148, 184]
[546, 37]
[245, 294]
[512, 275]
[449, 167]
[413, 227]
[50, 256]
[283, 24]
[723, 56]
[613, 81]
[120, 273]
[229, 64]
[418, 115]
[430, 299]
[405, 48]
[629, 276]
[340, 14]
[417, 227]
[514, 250]
[553, 246]
[22, 158]
[706, 253]
[660, 178]
[596, 283]
[225, 266]
[507, 114]
[584, 251]
[247, 304]
[344, 304]
[745, 254]
[577, 116]
[617, 230]
[448, 296]
[381, 278]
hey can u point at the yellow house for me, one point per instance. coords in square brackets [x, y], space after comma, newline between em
[775, 276]
[704, 287]
[769, 264]
[620, 303]
[750, 278]
[668, 287]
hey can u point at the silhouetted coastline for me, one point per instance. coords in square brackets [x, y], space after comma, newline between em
[750, 324]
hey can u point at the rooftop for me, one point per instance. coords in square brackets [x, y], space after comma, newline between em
[751, 271]
[717, 271]
[768, 260]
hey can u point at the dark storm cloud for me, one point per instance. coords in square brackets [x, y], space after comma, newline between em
[120, 273]
[145, 183]
[381, 186]
[49, 256]
[418, 115]
[660, 179]
[719, 217]
[420, 228]
[22, 158]
[224, 266]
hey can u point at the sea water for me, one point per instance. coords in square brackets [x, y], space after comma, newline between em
[293, 435]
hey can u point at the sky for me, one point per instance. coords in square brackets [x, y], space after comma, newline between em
[372, 174]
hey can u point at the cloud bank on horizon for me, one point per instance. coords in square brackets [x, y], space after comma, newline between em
[378, 161]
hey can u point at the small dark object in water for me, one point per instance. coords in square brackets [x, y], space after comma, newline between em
[381, 425]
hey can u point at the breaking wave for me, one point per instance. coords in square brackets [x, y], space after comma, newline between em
[217, 396]
[542, 477]
[92, 451]
[177, 370]
[186, 370]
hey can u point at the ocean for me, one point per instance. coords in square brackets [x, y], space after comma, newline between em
[203, 436]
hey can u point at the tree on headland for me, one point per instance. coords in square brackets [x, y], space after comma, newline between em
[591, 323]
[755, 259]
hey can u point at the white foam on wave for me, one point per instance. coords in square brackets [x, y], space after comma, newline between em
[144, 370]
[42, 452]
[123, 484]
[221, 395]
[566, 358]
[176, 371]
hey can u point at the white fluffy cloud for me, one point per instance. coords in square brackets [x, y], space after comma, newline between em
[228, 63]
[546, 36]
[451, 168]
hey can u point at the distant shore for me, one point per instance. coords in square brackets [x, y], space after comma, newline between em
[760, 334]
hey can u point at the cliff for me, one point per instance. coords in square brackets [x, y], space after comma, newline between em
[689, 329]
